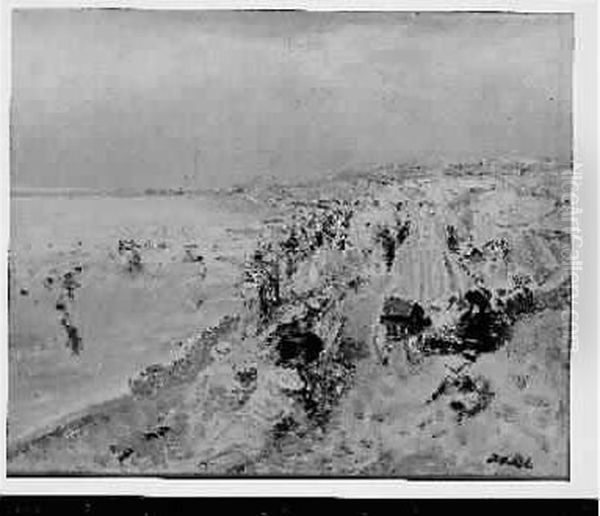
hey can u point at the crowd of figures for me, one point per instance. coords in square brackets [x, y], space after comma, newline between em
[130, 250]
[392, 237]
[67, 284]
[321, 225]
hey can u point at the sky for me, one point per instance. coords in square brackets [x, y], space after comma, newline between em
[125, 98]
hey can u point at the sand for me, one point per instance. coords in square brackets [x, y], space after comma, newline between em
[228, 406]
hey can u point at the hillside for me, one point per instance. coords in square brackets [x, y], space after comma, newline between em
[401, 322]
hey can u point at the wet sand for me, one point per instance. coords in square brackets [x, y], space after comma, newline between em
[126, 321]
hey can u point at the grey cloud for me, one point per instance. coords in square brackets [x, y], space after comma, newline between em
[117, 98]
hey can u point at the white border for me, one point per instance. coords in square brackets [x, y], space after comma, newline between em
[584, 391]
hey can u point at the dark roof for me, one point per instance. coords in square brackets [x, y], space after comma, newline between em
[397, 307]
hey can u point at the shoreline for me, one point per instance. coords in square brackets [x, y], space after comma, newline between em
[63, 424]
[200, 342]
